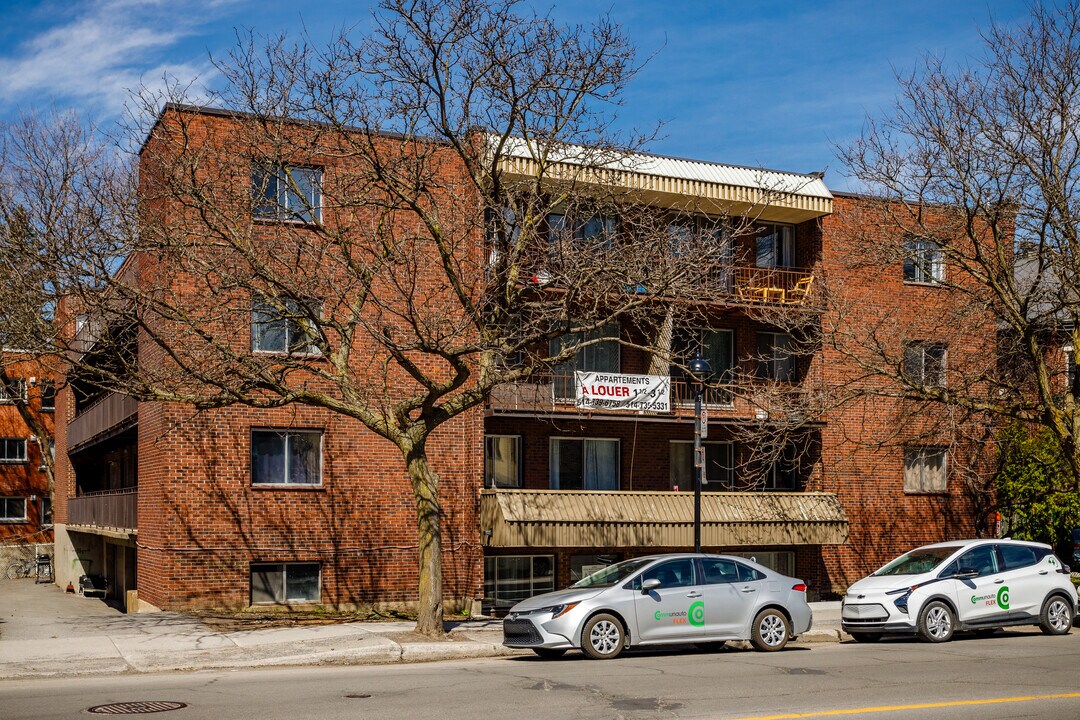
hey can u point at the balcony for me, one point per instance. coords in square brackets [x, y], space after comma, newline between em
[554, 394]
[109, 510]
[105, 418]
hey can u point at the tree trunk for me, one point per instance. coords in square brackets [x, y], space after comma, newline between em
[660, 364]
[425, 484]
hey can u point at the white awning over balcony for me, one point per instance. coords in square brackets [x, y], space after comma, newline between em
[680, 183]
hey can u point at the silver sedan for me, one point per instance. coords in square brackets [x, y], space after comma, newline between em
[663, 599]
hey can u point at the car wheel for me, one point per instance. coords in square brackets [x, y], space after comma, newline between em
[550, 653]
[1056, 616]
[770, 631]
[603, 637]
[936, 622]
[866, 637]
[711, 646]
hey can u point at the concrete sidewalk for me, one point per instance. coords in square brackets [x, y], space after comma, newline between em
[46, 632]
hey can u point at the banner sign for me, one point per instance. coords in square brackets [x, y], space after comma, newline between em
[608, 391]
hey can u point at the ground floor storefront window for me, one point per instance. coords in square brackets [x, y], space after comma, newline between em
[584, 565]
[509, 579]
[782, 561]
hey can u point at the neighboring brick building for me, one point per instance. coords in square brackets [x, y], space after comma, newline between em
[25, 501]
[201, 509]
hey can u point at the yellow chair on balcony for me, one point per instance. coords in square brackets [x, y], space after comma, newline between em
[801, 292]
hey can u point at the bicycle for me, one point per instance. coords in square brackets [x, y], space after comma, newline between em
[22, 569]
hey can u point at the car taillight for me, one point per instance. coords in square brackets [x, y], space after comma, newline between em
[801, 587]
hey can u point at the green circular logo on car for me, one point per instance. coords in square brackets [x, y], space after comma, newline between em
[1003, 598]
[697, 614]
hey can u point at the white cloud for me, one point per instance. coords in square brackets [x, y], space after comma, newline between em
[106, 50]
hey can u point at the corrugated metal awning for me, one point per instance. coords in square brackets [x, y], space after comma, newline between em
[680, 183]
[582, 518]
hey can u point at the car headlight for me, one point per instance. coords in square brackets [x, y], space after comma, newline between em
[559, 610]
[901, 602]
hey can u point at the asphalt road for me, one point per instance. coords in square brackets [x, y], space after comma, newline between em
[1018, 674]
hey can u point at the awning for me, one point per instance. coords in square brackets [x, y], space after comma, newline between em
[575, 518]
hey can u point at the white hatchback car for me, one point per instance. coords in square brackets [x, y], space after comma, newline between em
[935, 590]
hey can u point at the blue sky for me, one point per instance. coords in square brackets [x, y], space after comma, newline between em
[769, 83]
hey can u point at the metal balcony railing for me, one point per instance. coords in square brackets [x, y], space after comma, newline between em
[108, 509]
[108, 413]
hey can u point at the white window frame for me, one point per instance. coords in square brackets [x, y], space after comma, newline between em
[926, 260]
[5, 460]
[6, 397]
[554, 481]
[292, 326]
[705, 485]
[287, 433]
[308, 211]
[5, 518]
[916, 481]
[284, 569]
[489, 461]
[42, 385]
[921, 347]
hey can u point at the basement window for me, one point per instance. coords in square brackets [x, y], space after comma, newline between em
[283, 583]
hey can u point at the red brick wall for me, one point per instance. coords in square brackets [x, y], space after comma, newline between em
[25, 479]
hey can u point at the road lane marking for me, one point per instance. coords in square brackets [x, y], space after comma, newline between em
[922, 706]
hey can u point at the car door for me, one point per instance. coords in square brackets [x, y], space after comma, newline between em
[1026, 580]
[674, 610]
[979, 598]
[731, 594]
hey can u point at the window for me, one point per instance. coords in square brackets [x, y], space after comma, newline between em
[282, 583]
[596, 231]
[718, 571]
[773, 246]
[982, 558]
[783, 474]
[671, 574]
[11, 390]
[596, 356]
[287, 193]
[924, 470]
[502, 461]
[1017, 556]
[286, 330]
[286, 457]
[584, 464]
[13, 509]
[48, 395]
[509, 579]
[782, 561]
[775, 358]
[719, 472]
[923, 261]
[12, 450]
[716, 346]
[45, 508]
[924, 363]
[581, 566]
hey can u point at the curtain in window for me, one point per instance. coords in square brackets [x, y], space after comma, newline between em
[304, 458]
[601, 465]
[584, 464]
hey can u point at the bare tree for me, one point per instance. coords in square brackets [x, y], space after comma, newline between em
[357, 205]
[975, 174]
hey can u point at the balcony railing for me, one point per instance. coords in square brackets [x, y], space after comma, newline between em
[110, 412]
[108, 509]
[555, 392]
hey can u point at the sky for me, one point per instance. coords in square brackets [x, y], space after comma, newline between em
[764, 83]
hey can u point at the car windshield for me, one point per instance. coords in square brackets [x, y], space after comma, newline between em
[918, 561]
[612, 574]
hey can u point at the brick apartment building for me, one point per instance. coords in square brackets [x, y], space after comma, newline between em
[25, 502]
[200, 508]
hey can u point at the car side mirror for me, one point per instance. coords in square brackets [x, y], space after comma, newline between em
[650, 584]
[966, 573]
